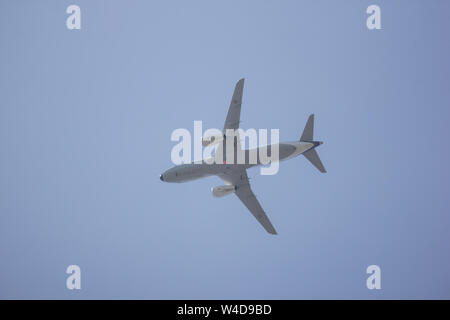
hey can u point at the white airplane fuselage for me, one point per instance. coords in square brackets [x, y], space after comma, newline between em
[201, 169]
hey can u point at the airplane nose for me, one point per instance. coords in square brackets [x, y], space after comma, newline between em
[161, 177]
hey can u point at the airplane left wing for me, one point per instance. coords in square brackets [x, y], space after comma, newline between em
[234, 111]
[246, 195]
[232, 121]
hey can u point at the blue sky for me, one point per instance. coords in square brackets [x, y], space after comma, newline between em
[85, 123]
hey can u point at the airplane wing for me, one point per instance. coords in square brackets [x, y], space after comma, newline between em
[239, 177]
[232, 121]
[234, 111]
[246, 195]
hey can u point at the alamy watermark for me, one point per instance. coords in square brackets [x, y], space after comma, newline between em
[373, 22]
[217, 147]
[374, 280]
[73, 22]
[73, 281]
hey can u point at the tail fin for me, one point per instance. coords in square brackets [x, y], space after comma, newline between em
[308, 132]
[308, 136]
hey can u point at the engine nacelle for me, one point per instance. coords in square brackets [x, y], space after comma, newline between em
[210, 140]
[221, 191]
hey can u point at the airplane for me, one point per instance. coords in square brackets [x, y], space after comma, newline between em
[235, 175]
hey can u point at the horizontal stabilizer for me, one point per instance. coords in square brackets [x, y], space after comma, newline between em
[313, 157]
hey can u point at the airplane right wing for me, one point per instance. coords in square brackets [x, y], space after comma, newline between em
[246, 195]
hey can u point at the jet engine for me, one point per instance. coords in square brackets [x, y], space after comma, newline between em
[221, 191]
[211, 140]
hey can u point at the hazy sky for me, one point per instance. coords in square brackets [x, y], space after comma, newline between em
[85, 123]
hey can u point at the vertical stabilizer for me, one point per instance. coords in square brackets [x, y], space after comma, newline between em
[308, 132]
